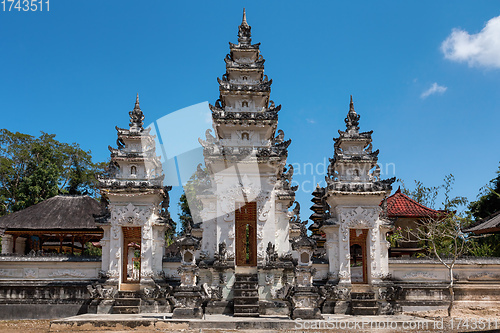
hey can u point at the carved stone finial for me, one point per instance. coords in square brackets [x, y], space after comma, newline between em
[136, 116]
[352, 119]
[244, 31]
[244, 21]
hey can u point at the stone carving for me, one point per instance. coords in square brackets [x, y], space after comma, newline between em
[29, 273]
[284, 292]
[484, 276]
[212, 292]
[389, 293]
[269, 278]
[271, 254]
[67, 272]
[419, 275]
[4, 272]
[99, 291]
[156, 292]
[131, 215]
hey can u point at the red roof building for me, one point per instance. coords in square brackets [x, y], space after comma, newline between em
[400, 205]
[406, 213]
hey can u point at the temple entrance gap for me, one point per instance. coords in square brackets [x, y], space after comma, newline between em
[131, 273]
[357, 250]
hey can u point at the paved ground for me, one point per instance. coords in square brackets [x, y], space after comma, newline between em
[224, 323]
[428, 322]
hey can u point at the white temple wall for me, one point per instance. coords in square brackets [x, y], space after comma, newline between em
[471, 271]
[47, 268]
[258, 187]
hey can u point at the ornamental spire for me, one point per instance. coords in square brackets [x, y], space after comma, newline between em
[352, 119]
[136, 117]
[244, 33]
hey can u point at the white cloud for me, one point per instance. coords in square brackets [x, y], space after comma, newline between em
[311, 121]
[481, 49]
[434, 89]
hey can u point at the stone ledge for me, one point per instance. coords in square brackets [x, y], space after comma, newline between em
[165, 322]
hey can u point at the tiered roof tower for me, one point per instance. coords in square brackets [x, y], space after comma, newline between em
[354, 230]
[318, 217]
[246, 156]
[137, 205]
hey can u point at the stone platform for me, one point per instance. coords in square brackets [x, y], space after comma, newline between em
[162, 322]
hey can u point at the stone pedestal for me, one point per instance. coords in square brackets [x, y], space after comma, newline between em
[219, 307]
[189, 300]
[305, 302]
[105, 306]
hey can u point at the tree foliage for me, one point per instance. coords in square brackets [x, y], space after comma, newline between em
[189, 204]
[33, 169]
[488, 201]
[427, 196]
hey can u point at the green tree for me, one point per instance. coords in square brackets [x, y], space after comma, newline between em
[185, 216]
[189, 204]
[33, 169]
[427, 196]
[488, 201]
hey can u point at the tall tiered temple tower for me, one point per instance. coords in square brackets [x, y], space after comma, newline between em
[136, 205]
[355, 234]
[245, 213]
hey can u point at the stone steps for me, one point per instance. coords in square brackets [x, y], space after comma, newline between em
[364, 304]
[126, 309]
[246, 295]
[127, 302]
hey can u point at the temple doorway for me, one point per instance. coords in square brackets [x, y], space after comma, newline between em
[246, 234]
[131, 273]
[357, 251]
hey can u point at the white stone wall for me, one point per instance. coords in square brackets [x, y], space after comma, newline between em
[51, 269]
[483, 271]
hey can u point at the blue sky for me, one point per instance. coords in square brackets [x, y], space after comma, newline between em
[74, 72]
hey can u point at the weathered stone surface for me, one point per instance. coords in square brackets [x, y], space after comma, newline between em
[219, 307]
[187, 313]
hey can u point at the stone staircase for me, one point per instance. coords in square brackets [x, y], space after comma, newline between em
[364, 303]
[246, 295]
[127, 302]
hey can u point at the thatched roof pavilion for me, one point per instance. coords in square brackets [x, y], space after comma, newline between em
[62, 223]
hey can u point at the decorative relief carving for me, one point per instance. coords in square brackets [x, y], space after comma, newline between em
[5, 272]
[67, 272]
[419, 275]
[29, 273]
[484, 276]
[131, 215]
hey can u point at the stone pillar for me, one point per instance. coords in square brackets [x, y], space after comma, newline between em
[332, 251]
[158, 246]
[147, 255]
[105, 245]
[7, 244]
[115, 254]
[20, 245]
[344, 257]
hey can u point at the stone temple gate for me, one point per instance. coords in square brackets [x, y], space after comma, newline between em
[249, 254]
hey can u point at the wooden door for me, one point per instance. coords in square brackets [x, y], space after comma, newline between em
[246, 234]
[357, 240]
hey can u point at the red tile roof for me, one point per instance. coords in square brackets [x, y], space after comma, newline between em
[400, 205]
